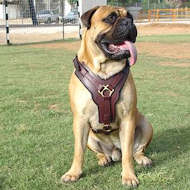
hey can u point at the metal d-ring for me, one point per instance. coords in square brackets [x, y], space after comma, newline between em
[105, 88]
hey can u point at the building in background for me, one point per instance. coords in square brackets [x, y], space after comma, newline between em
[86, 5]
[20, 8]
[13, 10]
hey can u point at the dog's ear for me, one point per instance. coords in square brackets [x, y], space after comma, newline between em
[129, 15]
[86, 17]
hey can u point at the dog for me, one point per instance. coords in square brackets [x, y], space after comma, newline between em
[107, 47]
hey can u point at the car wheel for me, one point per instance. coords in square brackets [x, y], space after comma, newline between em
[57, 20]
[75, 21]
[49, 20]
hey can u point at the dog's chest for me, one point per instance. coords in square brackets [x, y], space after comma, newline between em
[87, 109]
[91, 112]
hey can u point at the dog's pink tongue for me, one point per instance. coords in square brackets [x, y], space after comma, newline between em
[126, 45]
[133, 52]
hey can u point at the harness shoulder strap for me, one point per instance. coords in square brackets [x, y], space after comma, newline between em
[105, 93]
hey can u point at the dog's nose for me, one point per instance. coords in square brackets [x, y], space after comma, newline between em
[123, 25]
[125, 21]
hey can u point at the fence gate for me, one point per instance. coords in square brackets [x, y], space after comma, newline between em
[38, 20]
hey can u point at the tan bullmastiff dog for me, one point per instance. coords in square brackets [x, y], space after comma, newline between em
[107, 47]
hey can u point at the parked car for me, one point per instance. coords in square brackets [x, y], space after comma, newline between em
[71, 17]
[47, 16]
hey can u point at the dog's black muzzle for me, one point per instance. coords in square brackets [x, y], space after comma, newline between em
[122, 30]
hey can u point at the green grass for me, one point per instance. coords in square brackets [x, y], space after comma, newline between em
[36, 140]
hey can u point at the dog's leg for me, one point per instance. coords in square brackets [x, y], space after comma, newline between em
[143, 136]
[127, 131]
[103, 151]
[81, 130]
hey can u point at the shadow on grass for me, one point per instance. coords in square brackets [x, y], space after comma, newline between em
[166, 144]
[2, 180]
[98, 169]
[170, 143]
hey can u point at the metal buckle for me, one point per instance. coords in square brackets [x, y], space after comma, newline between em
[107, 128]
[105, 88]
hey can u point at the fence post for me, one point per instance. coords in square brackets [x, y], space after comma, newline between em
[181, 13]
[174, 14]
[149, 15]
[186, 11]
[157, 14]
[62, 13]
[6, 21]
[172, 11]
[154, 14]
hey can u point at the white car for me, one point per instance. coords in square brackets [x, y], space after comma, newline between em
[47, 16]
[72, 17]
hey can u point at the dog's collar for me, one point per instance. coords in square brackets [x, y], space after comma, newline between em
[105, 93]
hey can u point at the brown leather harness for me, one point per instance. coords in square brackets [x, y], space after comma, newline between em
[105, 93]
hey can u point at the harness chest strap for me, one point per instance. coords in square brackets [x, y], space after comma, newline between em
[105, 93]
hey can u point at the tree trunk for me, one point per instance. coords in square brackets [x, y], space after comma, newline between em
[123, 2]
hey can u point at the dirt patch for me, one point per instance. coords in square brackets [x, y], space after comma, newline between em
[171, 93]
[174, 64]
[170, 50]
[163, 29]
[71, 46]
[37, 37]
[178, 50]
[143, 30]
[54, 107]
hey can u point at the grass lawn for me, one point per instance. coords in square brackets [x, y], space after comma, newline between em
[36, 140]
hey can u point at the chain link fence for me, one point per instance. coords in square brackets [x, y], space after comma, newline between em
[140, 8]
[48, 20]
[39, 20]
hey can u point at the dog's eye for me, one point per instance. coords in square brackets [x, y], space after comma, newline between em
[111, 18]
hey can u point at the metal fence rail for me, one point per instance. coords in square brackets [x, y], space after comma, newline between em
[171, 14]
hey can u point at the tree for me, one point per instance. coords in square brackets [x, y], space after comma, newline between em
[72, 1]
[175, 3]
[121, 2]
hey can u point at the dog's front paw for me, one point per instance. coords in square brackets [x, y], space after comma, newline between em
[70, 177]
[130, 180]
[143, 160]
